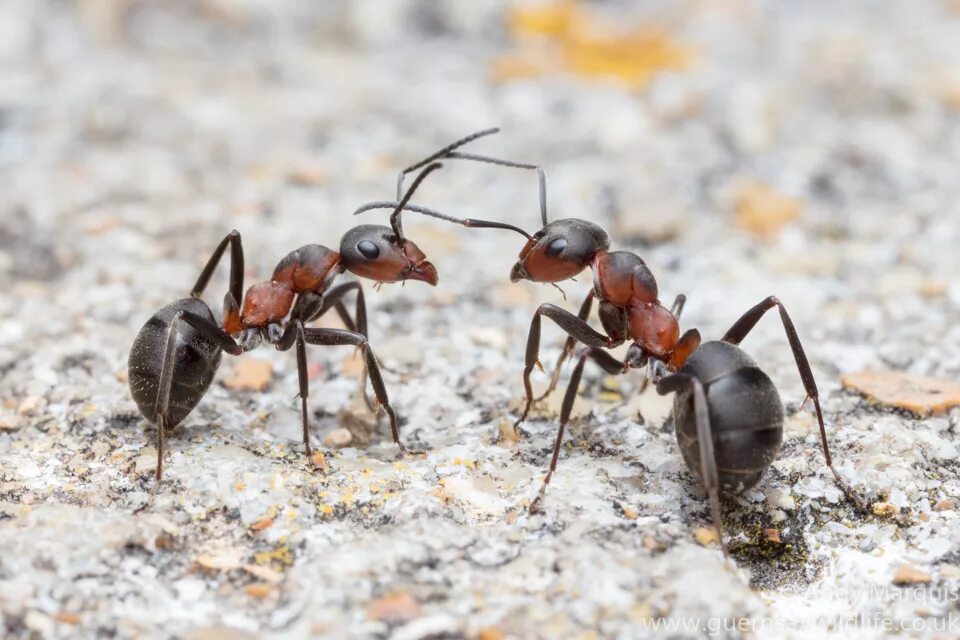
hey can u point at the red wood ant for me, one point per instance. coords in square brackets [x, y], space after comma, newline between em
[728, 413]
[177, 352]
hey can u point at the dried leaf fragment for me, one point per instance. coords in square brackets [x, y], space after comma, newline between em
[67, 617]
[948, 504]
[554, 19]
[263, 573]
[222, 560]
[705, 535]
[762, 210]
[918, 394]
[908, 574]
[634, 58]
[570, 39]
[394, 608]
[261, 524]
[259, 589]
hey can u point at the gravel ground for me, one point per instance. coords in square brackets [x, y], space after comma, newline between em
[807, 150]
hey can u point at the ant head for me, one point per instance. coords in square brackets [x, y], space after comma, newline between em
[560, 250]
[376, 252]
[383, 253]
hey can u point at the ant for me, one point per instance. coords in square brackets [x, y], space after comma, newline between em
[727, 412]
[176, 354]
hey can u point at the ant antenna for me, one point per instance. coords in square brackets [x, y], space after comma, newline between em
[395, 216]
[441, 154]
[542, 177]
[467, 222]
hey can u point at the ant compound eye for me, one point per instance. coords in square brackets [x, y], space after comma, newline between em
[368, 249]
[555, 247]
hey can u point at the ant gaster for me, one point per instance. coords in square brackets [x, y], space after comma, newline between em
[177, 352]
[728, 413]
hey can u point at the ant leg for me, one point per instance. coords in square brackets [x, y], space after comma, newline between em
[573, 325]
[357, 323]
[165, 383]
[293, 334]
[161, 433]
[708, 460]
[739, 331]
[303, 378]
[567, 347]
[335, 337]
[677, 307]
[236, 267]
[609, 364]
[541, 175]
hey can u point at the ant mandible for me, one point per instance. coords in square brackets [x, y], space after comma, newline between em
[177, 352]
[727, 412]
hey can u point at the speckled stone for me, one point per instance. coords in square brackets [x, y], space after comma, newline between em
[135, 135]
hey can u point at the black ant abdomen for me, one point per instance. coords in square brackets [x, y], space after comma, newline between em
[745, 413]
[196, 363]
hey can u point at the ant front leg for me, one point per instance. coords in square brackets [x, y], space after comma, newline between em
[294, 335]
[609, 364]
[739, 331]
[584, 313]
[577, 328]
[331, 337]
[358, 323]
[342, 337]
[708, 460]
[165, 383]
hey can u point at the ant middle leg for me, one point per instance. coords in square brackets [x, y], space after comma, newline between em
[576, 327]
[610, 365]
[739, 331]
[341, 337]
[357, 323]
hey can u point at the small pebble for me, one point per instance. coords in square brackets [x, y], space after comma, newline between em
[250, 374]
[338, 438]
[884, 509]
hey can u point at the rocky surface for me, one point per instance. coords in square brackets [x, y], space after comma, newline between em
[807, 150]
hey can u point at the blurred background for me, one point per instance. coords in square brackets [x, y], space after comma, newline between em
[742, 148]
